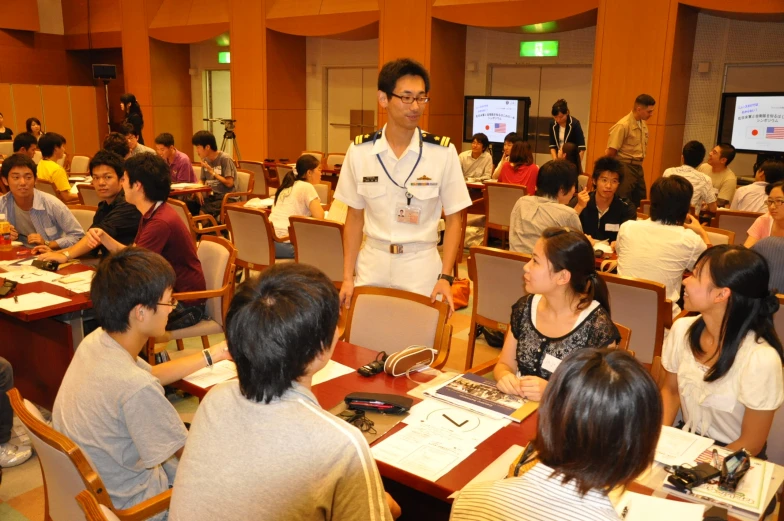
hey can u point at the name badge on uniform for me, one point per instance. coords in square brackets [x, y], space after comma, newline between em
[407, 214]
[610, 227]
[550, 363]
[373, 179]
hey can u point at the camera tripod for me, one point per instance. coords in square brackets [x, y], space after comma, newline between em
[229, 135]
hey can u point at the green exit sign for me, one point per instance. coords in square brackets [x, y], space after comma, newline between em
[224, 57]
[545, 48]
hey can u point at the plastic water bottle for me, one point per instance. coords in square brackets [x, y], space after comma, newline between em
[5, 233]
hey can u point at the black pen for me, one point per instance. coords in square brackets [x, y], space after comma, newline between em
[16, 299]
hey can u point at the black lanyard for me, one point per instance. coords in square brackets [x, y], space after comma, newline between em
[408, 194]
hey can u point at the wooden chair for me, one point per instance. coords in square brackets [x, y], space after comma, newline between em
[642, 306]
[645, 206]
[244, 190]
[260, 188]
[88, 195]
[626, 335]
[324, 191]
[335, 158]
[6, 147]
[84, 214]
[217, 257]
[197, 170]
[253, 236]
[80, 165]
[498, 283]
[67, 471]
[384, 319]
[719, 236]
[93, 510]
[642, 216]
[735, 221]
[315, 153]
[657, 371]
[500, 199]
[272, 179]
[194, 223]
[318, 242]
[47, 187]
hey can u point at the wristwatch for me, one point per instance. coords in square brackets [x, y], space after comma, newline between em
[449, 278]
[67, 255]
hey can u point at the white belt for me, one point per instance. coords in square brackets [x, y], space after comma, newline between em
[409, 247]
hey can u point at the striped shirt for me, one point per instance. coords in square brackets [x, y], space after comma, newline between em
[51, 218]
[702, 184]
[534, 496]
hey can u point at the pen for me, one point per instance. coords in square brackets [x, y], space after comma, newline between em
[715, 458]
[16, 299]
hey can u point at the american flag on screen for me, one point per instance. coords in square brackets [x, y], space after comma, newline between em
[501, 127]
[774, 133]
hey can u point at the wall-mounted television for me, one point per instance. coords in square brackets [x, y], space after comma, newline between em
[495, 116]
[753, 122]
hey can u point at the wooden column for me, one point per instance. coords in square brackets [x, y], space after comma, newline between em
[136, 61]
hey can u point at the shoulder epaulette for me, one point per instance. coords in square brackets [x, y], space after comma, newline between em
[364, 138]
[444, 141]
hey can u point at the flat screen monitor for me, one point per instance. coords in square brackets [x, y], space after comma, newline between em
[753, 122]
[495, 116]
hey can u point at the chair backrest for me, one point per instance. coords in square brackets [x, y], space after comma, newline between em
[217, 256]
[6, 148]
[183, 213]
[252, 235]
[244, 182]
[642, 216]
[318, 242]
[735, 221]
[498, 283]
[719, 236]
[65, 468]
[657, 371]
[84, 214]
[80, 165]
[259, 177]
[88, 195]
[47, 187]
[94, 511]
[626, 335]
[197, 170]
[324, 191]
[335, 158]
[642, 306]
[281, 170]
[645, 206]
[315, 153]
[384, 319]
[500, 199]
[37, 157]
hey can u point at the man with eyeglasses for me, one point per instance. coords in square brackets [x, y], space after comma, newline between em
[114, 216]
[111, 403]
[36, 218]
[605, 212]
[395, 183]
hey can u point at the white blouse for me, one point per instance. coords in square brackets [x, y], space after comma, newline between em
[715, 409]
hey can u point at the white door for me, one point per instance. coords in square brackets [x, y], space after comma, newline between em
[217, 103]
[351, 105]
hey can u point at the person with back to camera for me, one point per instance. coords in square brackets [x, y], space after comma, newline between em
[477, 163]
[753, 197]
[566, 308]
[599, 423]
[703, 195]
[565, 129]
[133, 114]
[296, 196]
[509, 140]
[520, 169]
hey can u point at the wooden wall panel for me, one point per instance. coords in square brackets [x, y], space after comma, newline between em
[136, 60]
[252, 133]
[171, 97]
[57, 112]
[506, 13]
[286, 133]
[285, 71]
[86, 122]
[27, 104]
[7, 107]
[447, 77]
[19, 14]
[32, 58]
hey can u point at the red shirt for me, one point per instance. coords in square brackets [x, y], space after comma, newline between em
[163, 232]
[522, 175]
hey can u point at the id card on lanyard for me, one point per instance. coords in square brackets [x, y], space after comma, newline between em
[405, 214]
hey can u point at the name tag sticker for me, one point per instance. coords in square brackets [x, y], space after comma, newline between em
[550, 363]
[609, 227]
[370, 179]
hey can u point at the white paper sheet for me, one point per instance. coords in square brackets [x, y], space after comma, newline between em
[30, 301]
[180, 186]
[677, 447]
[26, 274]
[209, 376]
[470, 427]
[77, 282]
[332, 370]
[497, 470]
[639, 507]
[260, 203]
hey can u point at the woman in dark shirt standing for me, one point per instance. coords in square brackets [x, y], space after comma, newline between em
[567, 308]
[565, 129]
[133, 114]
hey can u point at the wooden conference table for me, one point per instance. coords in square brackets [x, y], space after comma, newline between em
[190, 190]
[40, 343]
[418, 497]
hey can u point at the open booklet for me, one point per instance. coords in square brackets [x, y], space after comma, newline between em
[481, 395]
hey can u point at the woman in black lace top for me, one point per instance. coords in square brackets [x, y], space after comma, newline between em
[567, 308]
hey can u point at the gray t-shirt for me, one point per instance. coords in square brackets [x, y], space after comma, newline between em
[531, 215]
[116, 411]
[23, 223]
[141, 149]
[288, 459]
[224, 166]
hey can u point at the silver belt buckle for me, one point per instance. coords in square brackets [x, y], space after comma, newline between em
[395, 248]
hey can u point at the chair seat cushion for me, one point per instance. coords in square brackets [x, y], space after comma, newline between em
[203, 328]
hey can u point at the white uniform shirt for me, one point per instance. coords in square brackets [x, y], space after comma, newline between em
[437, 182]
[702, 184]
[715, 409]
[751, 198]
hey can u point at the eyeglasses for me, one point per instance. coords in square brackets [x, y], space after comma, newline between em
[774, 202]
[408, 100]
[608, 181]
[173, 303]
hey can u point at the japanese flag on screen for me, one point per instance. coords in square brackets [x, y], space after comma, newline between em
[754, 132]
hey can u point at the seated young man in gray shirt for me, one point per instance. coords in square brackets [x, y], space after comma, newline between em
[261, 447]
[111, 403]
[217, 171]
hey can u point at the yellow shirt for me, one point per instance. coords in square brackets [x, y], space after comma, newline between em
[49, 170]
[630, 138]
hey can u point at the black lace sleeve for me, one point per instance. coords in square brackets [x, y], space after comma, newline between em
[603, 331]
[518, 315]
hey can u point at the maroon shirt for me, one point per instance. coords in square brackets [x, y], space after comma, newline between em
[162, 231]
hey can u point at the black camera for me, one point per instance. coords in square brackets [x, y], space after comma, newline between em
[686, 478]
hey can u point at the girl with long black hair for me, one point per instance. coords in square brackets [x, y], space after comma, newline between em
[133, 114]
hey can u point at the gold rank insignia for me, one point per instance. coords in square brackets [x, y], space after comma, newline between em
[444, 141]
[424, 178]
[365, 138]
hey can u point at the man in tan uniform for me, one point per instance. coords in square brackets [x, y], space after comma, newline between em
[628, 143]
